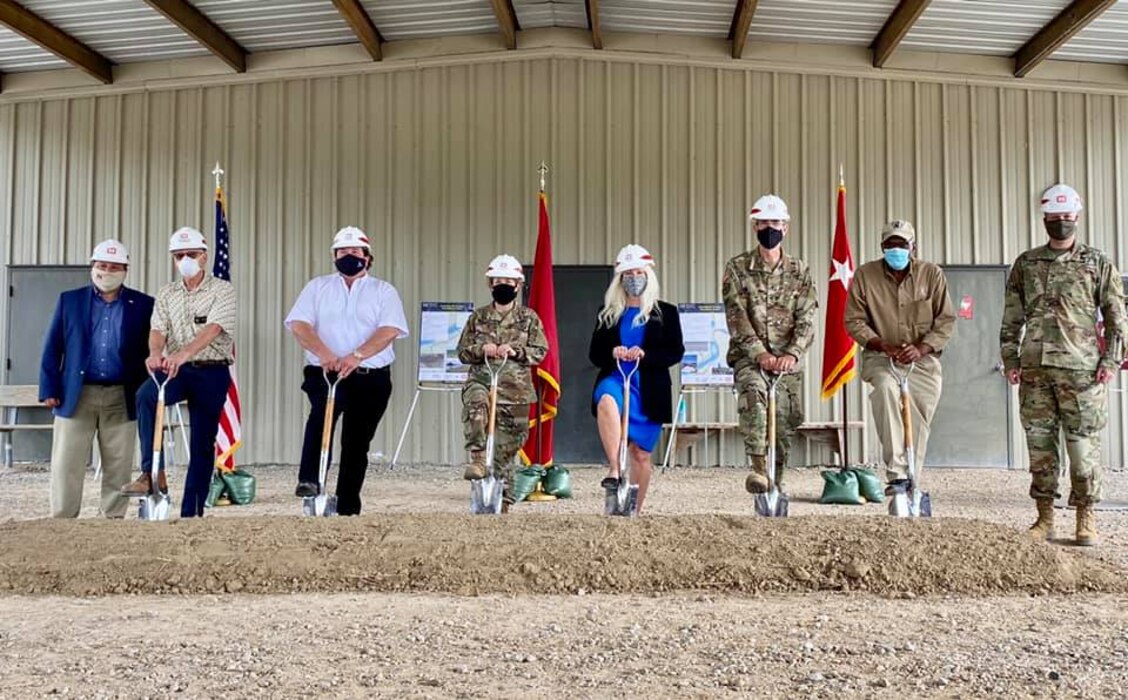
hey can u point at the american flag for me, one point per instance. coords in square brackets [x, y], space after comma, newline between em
[230, 435]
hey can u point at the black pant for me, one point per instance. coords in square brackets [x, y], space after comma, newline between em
[362, 398]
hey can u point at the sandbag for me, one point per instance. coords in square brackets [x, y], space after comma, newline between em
[840, 487]
[869, 485]
[215, 490]
[525, 482]
[240, 486]
[557, 482]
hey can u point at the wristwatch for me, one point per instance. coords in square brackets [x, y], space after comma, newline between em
[357, 355]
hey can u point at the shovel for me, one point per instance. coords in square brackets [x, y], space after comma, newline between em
[772, 504]
[908, 500]
[485, 493]
[623, 499]
[156, 505]
[324, 505]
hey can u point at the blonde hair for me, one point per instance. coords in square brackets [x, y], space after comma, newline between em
[615, 300]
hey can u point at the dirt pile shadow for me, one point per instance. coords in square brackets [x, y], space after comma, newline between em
[537, 554]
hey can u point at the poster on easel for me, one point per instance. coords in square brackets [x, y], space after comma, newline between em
[706, 337]
[440, 327]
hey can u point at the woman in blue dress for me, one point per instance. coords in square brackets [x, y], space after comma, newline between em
[634, 326]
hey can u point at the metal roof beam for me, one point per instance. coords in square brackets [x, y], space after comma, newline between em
[507, 21]
[902, 19]
[197, 25]
[741, 21]
[592, 8]
[46, 35]
[1058, 31]
[361, 24]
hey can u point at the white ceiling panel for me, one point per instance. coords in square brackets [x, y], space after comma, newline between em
[991, 27]
[281, 24]
[417, 19]
[820, 21]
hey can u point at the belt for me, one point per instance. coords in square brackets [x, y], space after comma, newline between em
[372, 370]
[209, 363]
[97, 383]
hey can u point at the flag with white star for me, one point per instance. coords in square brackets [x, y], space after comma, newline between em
[838, 348]
[229, 438]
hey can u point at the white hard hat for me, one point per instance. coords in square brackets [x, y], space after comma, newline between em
[111, 251]
[1061, 199]
[769, 208]
[351, 237]
[187, 238]
[505, 267]
[633, 257]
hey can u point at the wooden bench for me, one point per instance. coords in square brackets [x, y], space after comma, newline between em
[828, 433]
[13, 397]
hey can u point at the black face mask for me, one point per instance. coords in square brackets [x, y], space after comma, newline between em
[1061, 229]
[504, 293]
[350, 265]
[769, 237]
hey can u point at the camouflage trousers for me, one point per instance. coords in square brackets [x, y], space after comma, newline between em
[752, 405]
[925, 383]
[1053, 401]
[511, 427]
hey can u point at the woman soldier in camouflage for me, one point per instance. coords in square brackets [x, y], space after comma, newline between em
[500, 331]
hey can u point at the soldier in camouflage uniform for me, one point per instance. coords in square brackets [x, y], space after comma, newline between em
[770, 309]
[501, 330]
[1050, 349]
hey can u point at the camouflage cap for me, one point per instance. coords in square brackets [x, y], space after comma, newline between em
[899, 228]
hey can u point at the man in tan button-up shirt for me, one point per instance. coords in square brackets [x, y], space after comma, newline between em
[899, 310]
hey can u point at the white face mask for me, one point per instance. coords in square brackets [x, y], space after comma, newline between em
[188, 267]
[106, 281]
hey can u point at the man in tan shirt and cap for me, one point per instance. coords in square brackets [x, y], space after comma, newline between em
[899, 311]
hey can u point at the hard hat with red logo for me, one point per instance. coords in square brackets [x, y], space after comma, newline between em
[111, 251]
[1061, 199]
[187, 238]
[633, 257]
[769, 208]
[351, 237]
[505, 267]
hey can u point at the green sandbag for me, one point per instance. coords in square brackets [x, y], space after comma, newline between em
[869, 485]
[240, 486]
[525, 482]
[557, 482]
[217, 488]
[840, 487]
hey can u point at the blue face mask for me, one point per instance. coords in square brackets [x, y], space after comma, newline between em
[897, 258]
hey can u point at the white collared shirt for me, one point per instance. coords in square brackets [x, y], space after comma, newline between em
[344, 318]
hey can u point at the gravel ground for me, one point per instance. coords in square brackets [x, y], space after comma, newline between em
[668, 644]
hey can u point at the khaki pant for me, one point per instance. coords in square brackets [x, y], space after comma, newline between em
[885, 401]
[101, 410]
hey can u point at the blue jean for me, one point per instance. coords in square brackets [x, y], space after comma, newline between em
[205, 389]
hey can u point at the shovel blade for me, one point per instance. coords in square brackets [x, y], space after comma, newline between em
[485, 496]
[621, 501]
[923, 504]
[154, 507]
[773, 504]
[323, 506]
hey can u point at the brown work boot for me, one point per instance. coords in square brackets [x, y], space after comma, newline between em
[1086, 526]
[143, 484]
[1043, 527]
[757, 481]
[476, 467]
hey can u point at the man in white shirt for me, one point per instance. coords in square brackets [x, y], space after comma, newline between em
[346, 323]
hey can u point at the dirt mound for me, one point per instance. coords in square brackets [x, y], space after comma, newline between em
[525, 554]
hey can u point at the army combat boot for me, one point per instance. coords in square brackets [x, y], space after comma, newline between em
[757, 481]
[476, 467]
[1043, 527]
[1086, 526]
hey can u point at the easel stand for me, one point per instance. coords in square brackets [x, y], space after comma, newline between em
[419, 389]
[718, 427]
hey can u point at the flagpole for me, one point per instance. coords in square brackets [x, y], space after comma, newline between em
[218, 172]
[538, 494]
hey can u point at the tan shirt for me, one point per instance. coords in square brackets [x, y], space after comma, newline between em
[180, 315]
[918, 310]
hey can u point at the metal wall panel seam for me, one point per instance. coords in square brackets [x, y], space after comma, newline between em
[1004, 186]
[635, 146]
[1030, 211]
[692, 185]
[608, 123]
[973, 142]
[775, 134]
[945, 159]
[1059, 166]
[918, 214]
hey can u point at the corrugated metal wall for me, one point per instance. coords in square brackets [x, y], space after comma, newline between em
[438, 165]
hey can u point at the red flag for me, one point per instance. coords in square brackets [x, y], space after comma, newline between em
[839, 348]
[546, 375]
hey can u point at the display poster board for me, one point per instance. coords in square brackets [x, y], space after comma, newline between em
[440, 327]
[706, 339]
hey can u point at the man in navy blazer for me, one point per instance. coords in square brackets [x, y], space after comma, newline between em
[93, 363]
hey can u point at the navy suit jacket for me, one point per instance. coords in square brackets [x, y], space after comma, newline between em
[66, 348]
